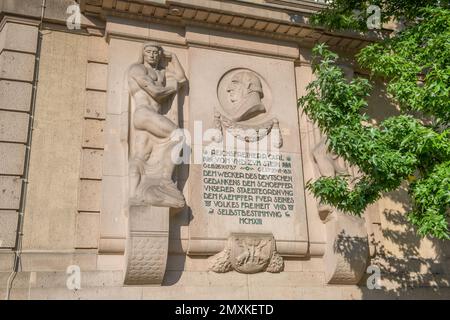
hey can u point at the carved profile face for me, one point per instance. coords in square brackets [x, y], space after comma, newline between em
[244, 92]
[236, 91]
[152, 55]
[242, 85]
[243, 95]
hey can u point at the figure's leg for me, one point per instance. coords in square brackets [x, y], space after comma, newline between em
[323, 162]
[156, 187]
[142, 145]
[325, 167]
[142, 150]
[153, 122]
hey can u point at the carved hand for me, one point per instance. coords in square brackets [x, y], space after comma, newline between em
[169, 55]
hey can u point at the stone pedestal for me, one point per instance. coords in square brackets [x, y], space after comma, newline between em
[147, 245]
[347, 249]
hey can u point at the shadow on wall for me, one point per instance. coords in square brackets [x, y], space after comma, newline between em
[406, 272]
[380, 106]
[409, 265]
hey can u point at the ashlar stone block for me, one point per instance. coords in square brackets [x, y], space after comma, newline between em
[87, 230]
[90, 195]
[97, 76]
[95, 106]
[8, 228]
[91, 166]
[12, 157]
[93, 136]
[17, 66]
[13, 126]
[98, 49]
[20, 37]
[10, 192]
[15, 95]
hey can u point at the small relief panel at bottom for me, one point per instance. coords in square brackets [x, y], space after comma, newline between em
[248, 253]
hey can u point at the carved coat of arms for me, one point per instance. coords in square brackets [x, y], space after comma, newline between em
[248, 253]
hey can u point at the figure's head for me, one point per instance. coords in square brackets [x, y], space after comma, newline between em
[152, 53]
[243, 84]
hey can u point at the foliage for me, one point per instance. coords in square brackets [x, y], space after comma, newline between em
[353, 14]
[412, 147]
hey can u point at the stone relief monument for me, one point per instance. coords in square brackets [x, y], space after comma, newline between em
[88, 126]
[153, 85]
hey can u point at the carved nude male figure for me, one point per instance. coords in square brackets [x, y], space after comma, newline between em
[328, 164]
[152, 86]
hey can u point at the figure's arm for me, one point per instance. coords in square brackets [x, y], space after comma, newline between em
[178, 72]
[155, 91]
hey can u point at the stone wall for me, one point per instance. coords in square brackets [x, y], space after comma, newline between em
[18, 41]
[76, 211]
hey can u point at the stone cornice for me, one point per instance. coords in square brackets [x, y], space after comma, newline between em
[18, 20]
[274, 19]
